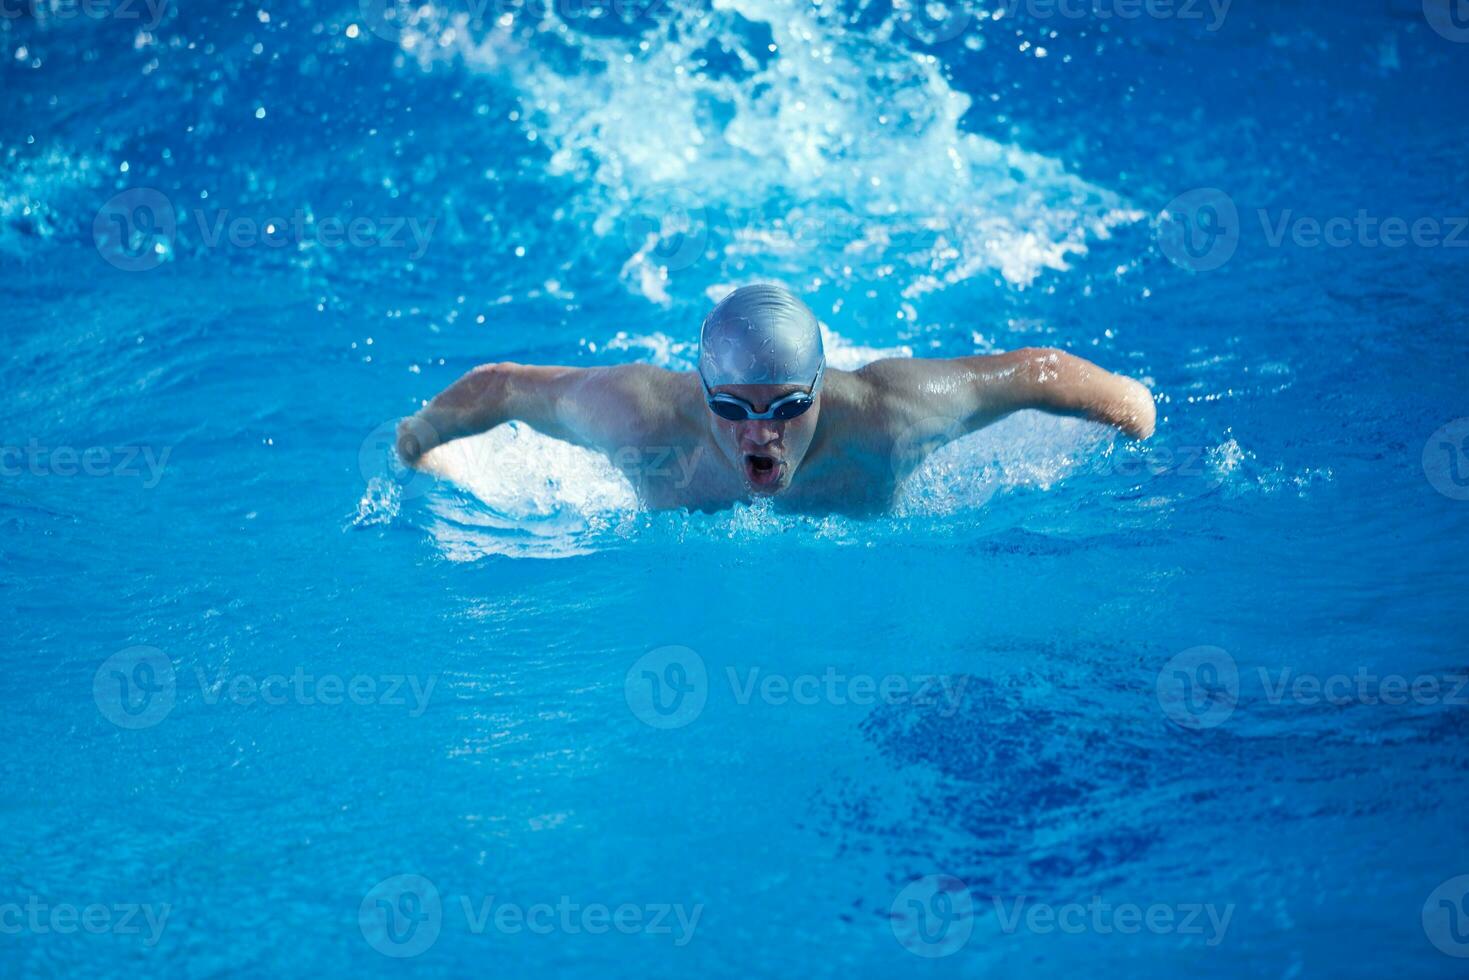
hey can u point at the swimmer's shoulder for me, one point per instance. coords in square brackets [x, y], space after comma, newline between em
[875, 405]
[653, 402]
[874, 392]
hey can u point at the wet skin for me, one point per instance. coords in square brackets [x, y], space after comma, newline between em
[849, 453]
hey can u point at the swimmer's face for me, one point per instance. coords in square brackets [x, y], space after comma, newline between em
[766, 452]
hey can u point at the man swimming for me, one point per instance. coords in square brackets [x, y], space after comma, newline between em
[763, 416]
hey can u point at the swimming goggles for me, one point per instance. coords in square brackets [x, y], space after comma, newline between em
[733, 409]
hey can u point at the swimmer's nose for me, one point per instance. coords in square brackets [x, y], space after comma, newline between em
[760, 433]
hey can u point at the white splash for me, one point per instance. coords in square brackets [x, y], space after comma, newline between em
[828, 148]
[29, 188]
[541, 497]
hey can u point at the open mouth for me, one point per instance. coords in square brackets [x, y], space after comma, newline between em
[762, 471]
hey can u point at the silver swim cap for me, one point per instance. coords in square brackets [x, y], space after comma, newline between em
[760, 334]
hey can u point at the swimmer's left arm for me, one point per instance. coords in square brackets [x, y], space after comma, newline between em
[1059, 383]
[976, 391]
[602, 408]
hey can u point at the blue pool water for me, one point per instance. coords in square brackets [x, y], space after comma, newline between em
[1078, 708]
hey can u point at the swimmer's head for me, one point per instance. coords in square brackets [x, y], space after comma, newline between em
[760, 354]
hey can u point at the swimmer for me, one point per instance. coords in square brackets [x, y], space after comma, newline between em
[764, 416]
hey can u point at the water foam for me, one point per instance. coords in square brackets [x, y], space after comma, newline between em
[789, 139]
[30, 188]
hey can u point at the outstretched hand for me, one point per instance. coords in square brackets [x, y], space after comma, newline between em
[415, 437]
[1132, 409]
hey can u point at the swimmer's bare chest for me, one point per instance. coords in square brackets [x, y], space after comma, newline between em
[841, 483]
[830, 482]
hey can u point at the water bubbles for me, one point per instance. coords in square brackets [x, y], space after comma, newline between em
[821, 149]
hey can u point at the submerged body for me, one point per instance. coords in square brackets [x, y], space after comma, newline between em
[864, 433]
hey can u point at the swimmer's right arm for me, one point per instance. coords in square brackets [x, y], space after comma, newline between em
[581, 405]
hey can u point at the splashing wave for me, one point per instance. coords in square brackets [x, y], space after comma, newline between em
[778, 140]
